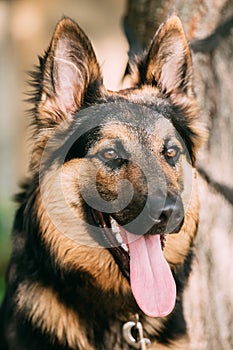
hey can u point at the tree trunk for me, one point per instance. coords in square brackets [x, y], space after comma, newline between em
[209, 27]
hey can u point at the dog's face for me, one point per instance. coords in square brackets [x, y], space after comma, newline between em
[117, 169]
[131, 168]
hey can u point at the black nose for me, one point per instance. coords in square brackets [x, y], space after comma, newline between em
[161, 214]
[167, 213]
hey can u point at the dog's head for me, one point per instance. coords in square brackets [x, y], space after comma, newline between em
[117, 169]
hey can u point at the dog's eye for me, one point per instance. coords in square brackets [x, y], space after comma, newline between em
[108, 154]
[111, 158]
[172, 154]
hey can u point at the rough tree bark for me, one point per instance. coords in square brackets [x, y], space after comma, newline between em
[209, 27]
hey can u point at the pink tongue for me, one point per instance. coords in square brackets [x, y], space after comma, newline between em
[151, 279]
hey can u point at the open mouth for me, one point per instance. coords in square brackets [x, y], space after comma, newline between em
[115, 239]
[141, 260]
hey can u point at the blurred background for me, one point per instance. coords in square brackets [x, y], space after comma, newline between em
[25, 31]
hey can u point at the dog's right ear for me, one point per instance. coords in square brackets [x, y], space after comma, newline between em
[70, 74]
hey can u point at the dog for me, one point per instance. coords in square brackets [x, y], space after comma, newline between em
[103, 235]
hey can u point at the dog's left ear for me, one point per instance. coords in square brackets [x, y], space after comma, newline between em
[70, 72]
[168, 63]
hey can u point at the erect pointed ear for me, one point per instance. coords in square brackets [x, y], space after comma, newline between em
[69, 72]
[168, 63]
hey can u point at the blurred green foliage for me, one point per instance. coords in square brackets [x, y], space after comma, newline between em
[6, 218]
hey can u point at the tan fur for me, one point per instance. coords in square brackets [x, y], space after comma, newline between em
[182, 344]
[178, 245]
[46, 311]
[68, 239]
